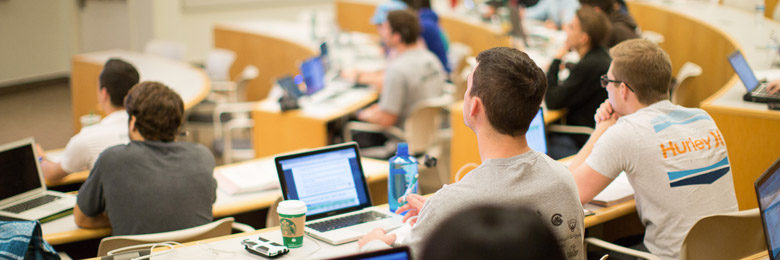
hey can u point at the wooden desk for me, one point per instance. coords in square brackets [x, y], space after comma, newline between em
[64, 230]
[758, 256]
[73, 178]
[464, 148]
[191, 83]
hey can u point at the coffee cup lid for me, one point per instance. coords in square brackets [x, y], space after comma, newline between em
[291, 207]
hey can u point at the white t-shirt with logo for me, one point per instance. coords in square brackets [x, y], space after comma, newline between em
[676, 160]
[84, 148]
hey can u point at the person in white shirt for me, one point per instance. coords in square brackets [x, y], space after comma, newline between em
[83, 149]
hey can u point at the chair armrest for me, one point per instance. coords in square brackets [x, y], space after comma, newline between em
[371, 128]
[609, 246]
[242, 227]
[570, 129]
[223, 86]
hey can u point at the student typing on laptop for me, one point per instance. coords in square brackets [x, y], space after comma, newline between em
[674, 157]
[504, 93]
[152, 184]
[83, 149]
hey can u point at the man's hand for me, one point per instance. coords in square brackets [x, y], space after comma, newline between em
[376, 234]
[562, 51]
[774, 87]
[604, 112]
[414, 203]
[39, 149]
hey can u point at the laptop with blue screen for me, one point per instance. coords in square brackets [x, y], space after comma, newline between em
[756, 90]
[398, 253]
[331, 182]
[768, 194]
[536, 133]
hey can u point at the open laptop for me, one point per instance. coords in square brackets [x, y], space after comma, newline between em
[536, 133]
[331, 182]
[320, 88]
[397, 253]
[756, 90]
[23, 193]
[768, 194]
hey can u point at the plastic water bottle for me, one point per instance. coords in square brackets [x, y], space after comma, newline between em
[403, 168]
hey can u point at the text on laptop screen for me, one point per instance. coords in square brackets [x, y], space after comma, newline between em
[326, 181]
[743, 70]
[535, 135]
[313, 74]
[769, 198]
[18, 172]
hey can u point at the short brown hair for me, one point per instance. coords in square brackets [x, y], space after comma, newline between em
[595, 24]
[645, 67]
[157, 109]
[117, 77]
[511, 87]
[405, 23]
[606, 6]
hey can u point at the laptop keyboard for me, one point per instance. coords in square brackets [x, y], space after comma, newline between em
[347, 221]
[21, 207]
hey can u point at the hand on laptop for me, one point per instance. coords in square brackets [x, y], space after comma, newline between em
[412, 207]
[773, 87]
[376, 234]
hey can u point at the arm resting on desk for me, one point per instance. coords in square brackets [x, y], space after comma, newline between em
[52, 171]
[84, 221]
[374, 114]
[589, 181]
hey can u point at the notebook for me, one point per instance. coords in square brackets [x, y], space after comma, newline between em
[535, 136]
[331, 182]
[768, 194]
[397, 253]
[23, 194]
[757, 91]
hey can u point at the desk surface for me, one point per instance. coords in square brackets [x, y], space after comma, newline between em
[64, 230]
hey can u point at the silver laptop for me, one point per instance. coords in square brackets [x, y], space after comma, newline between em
[331, 182]
[768, 194]
[23, 194]
[756, 90]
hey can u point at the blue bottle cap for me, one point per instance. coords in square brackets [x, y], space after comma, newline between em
[403, 149]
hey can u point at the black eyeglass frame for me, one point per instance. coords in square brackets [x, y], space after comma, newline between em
[605, 81]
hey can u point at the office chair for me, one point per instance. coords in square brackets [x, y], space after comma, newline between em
[217, 228]
[170, 49]
[456, 56]
[688, 70]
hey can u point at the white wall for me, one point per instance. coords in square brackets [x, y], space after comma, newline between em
[37, 39]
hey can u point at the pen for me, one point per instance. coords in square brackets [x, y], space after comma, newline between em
[409, 189]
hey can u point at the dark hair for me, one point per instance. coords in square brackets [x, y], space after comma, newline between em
[405, 23]
[511, 87]
[595, 24]
[418, 4]
[117, 78]
[492, 232]
[606, 6]
[157, 109]
[645, 67]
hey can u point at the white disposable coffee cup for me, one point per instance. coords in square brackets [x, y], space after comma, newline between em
[89, 119]
[292, 218]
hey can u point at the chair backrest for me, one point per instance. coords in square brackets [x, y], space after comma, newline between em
[217, 228]
[725, 236]
[422, 127]
[688, 70]
[170, 49]
[218, 63]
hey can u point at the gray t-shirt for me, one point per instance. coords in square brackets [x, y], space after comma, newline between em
[676, 160]
[149, 187]
[415, 75]
[531, 180]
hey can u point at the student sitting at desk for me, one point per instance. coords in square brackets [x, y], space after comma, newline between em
[674, 157]
[413, 76]
[503, 95]
[581, 92]
[623, 25]
[152, 184]
[430, 32]
[83, 149]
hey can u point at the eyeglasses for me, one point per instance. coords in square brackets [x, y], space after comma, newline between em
[605, 81]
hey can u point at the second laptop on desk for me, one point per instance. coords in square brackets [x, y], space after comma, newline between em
[331, 182]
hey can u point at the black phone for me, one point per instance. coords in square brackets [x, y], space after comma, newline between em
[773, 106]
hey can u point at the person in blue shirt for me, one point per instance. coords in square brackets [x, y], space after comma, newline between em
[558, 12]
[432, 34]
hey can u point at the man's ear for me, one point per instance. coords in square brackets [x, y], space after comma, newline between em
[476, 107]
[624, 91]
[131, 124]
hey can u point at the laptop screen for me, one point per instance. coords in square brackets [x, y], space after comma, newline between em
[313, 74]
[768, 191]
[535, 135]
[328, 180]
[18, 171]
[398, 253]
[288, 85]
[743, 70]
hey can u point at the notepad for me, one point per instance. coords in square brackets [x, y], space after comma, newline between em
[618, 191]
[248, 177]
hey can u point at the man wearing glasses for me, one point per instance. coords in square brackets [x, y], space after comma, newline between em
[674, 157]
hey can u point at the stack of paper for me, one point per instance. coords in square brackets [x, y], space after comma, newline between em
[248, 177]
[618, 191]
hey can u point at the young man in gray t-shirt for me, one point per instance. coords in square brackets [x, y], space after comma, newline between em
[504, 93]
[674, 157]
[152, 184]
[413, 75]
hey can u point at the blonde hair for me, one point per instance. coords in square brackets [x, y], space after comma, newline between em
[645, 67]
